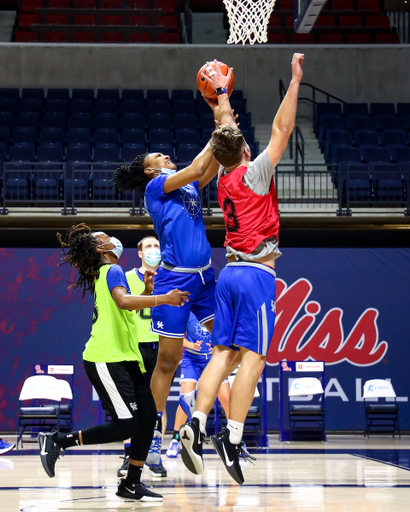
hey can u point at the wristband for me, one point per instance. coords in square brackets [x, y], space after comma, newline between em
[221, 90]
[156, 300]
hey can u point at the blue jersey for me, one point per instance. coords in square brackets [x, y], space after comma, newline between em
[197, 332]
[178, 221]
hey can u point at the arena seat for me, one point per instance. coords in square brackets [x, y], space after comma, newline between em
[50, 135]
[274, 21]
[83, 37]
[134, 136]
[166, 6]
[403, 109]
[32, 93]
[139, 21]
[59, 4]
[27, 119]
[112, 20]
[25, 36]
[85, 4]
[342, 5]
[331, 38]
[130, 151]
[168, 38]
[31, 5]
[56, 106]
[132, 94]
[83, 94]
[159, 121]
[165, 149]
[303, 38]
[55, 37]
[57, 19]
[140, 37]
[107, 120]
[185, 121]
[132, 107]
[160, 136]
[378, 21]
[79, 136]
[390, 123]
[277, 38]
[111, 4]
[393, 138]
[325, 21]
[58, 94]
[138, 4]
[387, 38]
[23, 135]
[106, 153]
[350, 21]
[382, 109]
[107, 106]
[80, 120]
[333, 138]
[363, 38]
[84, 19]
[27, 20]
[158, 107]
[355, 109]
[78, 153]
[186, 153]
[30, 106]
[369, 5]
[170, 22]
[366, 137]
[133, 121]
[51, 152]
[106, 136]
[82, 106]
[112, 37]
[53, 120]
[375, 155]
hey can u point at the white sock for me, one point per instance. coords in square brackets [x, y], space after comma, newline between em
[235, 431]
[201, 416]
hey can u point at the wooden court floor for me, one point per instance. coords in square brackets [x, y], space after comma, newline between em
[345, 474]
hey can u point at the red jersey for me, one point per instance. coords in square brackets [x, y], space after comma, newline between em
[249, 217]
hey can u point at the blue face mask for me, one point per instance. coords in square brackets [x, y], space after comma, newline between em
[152, 257]
[166, 171]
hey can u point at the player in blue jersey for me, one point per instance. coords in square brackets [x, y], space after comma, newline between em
[173, 202]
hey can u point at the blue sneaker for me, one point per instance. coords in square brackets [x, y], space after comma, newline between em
[187, 401]
[5, 447]
[154, 456]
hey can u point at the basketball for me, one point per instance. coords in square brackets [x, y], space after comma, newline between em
[205, 87]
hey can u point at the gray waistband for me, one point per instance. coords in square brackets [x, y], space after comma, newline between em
[252, 264]
[185, 270]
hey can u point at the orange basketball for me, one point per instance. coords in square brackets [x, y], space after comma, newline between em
[205, 87]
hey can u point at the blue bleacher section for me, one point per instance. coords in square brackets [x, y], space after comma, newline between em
[53, 130]
[367, 149]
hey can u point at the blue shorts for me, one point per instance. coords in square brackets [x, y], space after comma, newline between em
[192, 366]
[245, 307]
[172, 321]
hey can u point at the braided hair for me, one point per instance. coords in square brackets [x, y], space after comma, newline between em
[132, 176]
[79, 252]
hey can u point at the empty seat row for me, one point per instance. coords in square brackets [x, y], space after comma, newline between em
[167, 6]
[330, 21]
[339, 5]
[33, 36]
[345, 153]
[334, 38]
[28, 20]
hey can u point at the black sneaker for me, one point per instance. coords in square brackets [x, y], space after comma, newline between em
[158, 469]
[191, 439]
[124, 468]
[49, 452]
[230, 454]
[138, 492]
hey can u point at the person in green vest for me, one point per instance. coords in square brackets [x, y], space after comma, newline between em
[112, 359]
[150, 253]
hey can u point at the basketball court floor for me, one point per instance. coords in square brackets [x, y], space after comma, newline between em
[346, 474]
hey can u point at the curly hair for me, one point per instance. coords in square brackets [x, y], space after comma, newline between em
[227, 145]
[132, 176]
[79, 251]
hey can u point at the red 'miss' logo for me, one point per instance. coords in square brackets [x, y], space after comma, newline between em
[327, 343]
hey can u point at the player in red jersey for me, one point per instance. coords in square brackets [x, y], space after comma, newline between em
[246, 288]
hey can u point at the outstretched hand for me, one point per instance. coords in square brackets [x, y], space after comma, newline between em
[216, 78]
[149, 281]
[177, 298]
[297, 71]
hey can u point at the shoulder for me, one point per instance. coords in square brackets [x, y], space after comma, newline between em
[155, 186]
[115, 271]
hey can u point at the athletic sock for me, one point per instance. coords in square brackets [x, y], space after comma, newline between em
[134, 474]
[127, 448]
[235, 431]
[175, 435]
[158, 423]
[67, 440]
[201, 416]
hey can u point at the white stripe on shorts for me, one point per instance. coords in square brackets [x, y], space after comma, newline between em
[264, 330]
[121, 409]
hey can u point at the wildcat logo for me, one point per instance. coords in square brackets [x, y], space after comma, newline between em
[293, 342]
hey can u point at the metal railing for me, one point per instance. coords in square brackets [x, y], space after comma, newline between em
[399, 15]
[314, 90]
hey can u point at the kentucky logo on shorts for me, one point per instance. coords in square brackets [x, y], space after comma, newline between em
[160, 325]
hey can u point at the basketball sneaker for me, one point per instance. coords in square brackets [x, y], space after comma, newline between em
[138, 492]
[5, 447]
[49, 452]
[230, 454]
[124, 468]
[187, 401]
[192, 439]
[173, 449]
[154, 456]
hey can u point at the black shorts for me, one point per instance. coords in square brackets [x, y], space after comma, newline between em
[149, 352]
[120, 386]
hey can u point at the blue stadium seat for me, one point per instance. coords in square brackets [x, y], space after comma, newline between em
[30, 93]
[54, 120]
[358, 183]
[52, 136]
[187, 136]
[391, 138]
[78, 153]
[27, 120]
[25, 136]
[160, 136]
[361, 123]
[366, 138]
[239, 108]
[403, 109]
[389, 186]
[134, 137]
[390, 123]
[133, 121]
[157, 94]
[5, 136]
[183, 107]
[132, 107]
[375, 155]
[355, 109]
[8, 105]
[158, 107]
[206, 135]
[132, 94]
[130, 151]
[106, 136]
[80, 120]
[248, 135]
[185, 153]
[30, 106]
[237, 95]
[82, 106]
[106, 153]
[79, 136]
[203, 108]
[325, 109]
[107, 120]
[330, 123]
[185, 121]
[336, 137]
[83, 94]
[56, 106]
[9, 93]
[58, 94]
[207, 121]
[17, 189]
[165, 149]
[22, 153]
[400, 155]
[6, 119]
[107, 106]
[159, 122]
[182, 94]
[108, 94]
[50, 153]
[46, 184]
[102, 189]
[382, 109]
[3, 152]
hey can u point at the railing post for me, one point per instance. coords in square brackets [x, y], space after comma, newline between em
[4, 210]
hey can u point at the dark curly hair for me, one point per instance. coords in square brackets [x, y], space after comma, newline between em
[79, 251]
[132, 176]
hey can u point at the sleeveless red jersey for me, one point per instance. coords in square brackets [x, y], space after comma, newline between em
[249, 217]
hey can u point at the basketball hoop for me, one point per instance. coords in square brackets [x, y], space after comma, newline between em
[248, 20]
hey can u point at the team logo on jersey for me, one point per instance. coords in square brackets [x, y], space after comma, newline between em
[134, 406]
[191, 201]
[201, 331]
[273, 305]
[160, 325]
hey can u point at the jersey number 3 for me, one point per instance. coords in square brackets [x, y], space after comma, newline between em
[232, 223]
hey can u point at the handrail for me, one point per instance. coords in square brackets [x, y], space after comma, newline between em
[300, 151]
[188, 21]
[314, 89]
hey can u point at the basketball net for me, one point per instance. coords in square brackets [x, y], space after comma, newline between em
[248, 20]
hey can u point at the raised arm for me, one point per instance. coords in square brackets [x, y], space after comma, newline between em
[135, 302]
[284, 121]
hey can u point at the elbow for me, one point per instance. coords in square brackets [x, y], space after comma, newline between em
[122, 303]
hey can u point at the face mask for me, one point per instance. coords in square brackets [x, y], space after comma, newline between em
[118, 248]
[168, 172]
[152, 257]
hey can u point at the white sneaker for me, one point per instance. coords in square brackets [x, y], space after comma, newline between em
[173, 449]
[188, 401]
